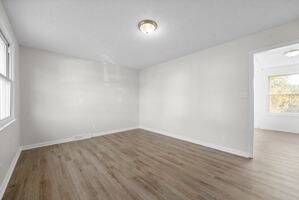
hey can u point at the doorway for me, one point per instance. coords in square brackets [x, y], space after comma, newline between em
[275, 93]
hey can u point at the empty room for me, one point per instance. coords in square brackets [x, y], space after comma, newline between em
[149, 100]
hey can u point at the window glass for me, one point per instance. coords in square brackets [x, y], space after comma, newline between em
[5, 83]
[5, 88]
[284, 93]
[3, 55]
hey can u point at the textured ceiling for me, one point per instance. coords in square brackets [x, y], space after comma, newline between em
[106, 30]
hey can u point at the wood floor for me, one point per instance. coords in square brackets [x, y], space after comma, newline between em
[143, 165]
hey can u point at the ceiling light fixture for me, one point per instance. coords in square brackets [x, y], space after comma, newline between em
[292, 53]
[147, 26]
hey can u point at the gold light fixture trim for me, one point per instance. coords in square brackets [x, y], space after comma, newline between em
[147, 26]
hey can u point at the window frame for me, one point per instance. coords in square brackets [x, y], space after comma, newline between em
[269, 96]
[10, 78]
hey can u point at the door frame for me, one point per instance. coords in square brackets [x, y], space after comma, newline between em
[251, 91]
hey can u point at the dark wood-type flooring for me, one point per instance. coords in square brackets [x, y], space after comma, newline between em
[142, 165]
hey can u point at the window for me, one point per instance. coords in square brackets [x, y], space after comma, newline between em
[5, 82]
[284, 93]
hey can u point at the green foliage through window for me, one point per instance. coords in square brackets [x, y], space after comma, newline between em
[284, 93]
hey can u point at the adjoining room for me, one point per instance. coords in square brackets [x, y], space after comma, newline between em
[149, 100]
[276, 92]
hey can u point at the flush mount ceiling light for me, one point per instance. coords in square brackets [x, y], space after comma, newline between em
[292, 53]
[147, 26]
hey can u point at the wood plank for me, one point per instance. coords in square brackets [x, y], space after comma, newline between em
[142, 165]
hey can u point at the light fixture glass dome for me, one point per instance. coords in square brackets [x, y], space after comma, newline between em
[147, 26]
[292, 53]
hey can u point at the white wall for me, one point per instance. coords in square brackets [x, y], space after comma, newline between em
[63, 96]
[9, 136]
[263, 118]
[203, 97]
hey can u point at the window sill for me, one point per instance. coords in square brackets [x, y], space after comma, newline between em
[7, 123]
[284, 114]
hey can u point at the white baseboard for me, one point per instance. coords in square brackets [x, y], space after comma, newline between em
[196, 141]
[9, 173]
[106, 132]
[278, 130]
[48, 143]
[75, 138]
[86, 136]
[59, 141]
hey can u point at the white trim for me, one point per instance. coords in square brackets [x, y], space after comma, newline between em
[278, 130]
[9, 77]
[199, 142]
[106, 132]
[52, 142]
[42, 144]
[7, 123]
[251, 82]
[251, 78]
[9, 173]
[286, 114]
[75, 138]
